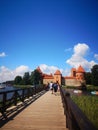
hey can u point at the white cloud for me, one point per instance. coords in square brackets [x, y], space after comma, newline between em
[52, 69]
[20, 70]
[48, 69]
[7, 74]
[78, 57]
[81, 49]
[2, 54]
[96, 56]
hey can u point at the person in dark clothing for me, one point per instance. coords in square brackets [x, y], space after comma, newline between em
[55, 87]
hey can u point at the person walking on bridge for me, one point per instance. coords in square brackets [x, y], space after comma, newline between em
[51, 86]
[55, 87]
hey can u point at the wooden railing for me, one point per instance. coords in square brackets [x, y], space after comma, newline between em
[12, 97]
[75, 118]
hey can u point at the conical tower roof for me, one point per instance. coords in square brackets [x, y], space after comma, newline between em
[73, 69]
[39, 70]
[57, 72]
[80, 69]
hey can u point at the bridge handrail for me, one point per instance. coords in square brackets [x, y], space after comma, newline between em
[17, 95]
[75, 118]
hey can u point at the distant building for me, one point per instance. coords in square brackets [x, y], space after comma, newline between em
[47, 78]
[75, 79]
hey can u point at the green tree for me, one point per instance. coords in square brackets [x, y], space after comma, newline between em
[36, 77]
[26, 78]
[94, 71]
[18, 80]
[88, 77]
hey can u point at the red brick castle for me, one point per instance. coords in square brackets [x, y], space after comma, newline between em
[75, 79]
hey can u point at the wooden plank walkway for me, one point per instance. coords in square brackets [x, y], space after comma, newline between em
[46, 113]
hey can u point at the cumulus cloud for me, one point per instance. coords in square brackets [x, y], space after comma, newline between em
[78, 58]
[2, 54]
[96, 56]
[21, 70]
[7, 74]
[48, 69]
[52, 69]
[81, 49]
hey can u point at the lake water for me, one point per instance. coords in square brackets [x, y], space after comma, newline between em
[7, 88]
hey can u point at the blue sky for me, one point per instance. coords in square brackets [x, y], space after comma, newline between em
[52, 34]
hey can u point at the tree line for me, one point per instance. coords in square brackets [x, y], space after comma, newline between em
[28, 79]
[36, 78]
[92, 77]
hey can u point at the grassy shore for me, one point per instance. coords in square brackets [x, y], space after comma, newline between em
[89, 105]
[89, 87]
[22, 86]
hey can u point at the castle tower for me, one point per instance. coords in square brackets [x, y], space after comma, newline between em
[39, 70]
[80, 73]
[73, 72]
[57, 77]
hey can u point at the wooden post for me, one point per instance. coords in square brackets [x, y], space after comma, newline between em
[3, 109]
[22, 95]
[15, 98]
[4, 101]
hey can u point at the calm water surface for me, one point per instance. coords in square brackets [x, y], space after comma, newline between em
[7, 88]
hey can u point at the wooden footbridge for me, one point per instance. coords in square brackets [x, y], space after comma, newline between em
[41, 110]
[43, 114]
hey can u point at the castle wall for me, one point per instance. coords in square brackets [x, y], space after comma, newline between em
[46, 81]
[72, 82]
[57, 78]
[80, 76]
